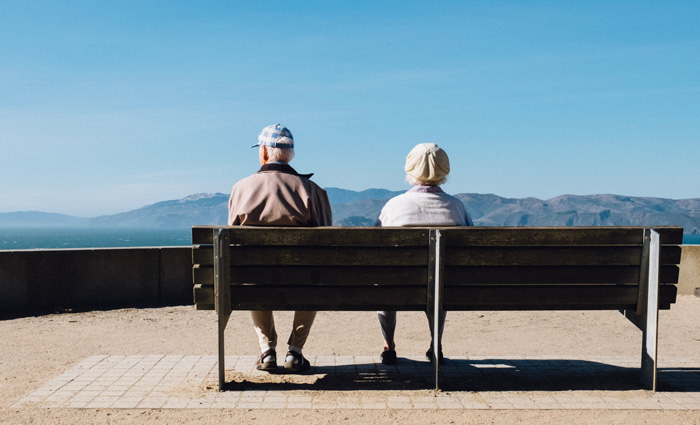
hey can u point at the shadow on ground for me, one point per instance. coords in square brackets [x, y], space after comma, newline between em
[468, 375]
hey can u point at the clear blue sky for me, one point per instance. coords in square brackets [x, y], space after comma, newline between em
[107, 106]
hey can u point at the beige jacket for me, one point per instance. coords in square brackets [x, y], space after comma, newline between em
[279, 196]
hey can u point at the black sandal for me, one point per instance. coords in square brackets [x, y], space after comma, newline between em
[261, 364]
[297, 364]
[388, 357]
[430, 356]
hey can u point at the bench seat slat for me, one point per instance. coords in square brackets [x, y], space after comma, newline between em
[203, 255]
[202, 274]
[545, 297]
[543, 256]
[320, 255]
[478, 236]
[336, 298]
[553, 275]
[474, 297]
[340, 236]
[338, 275]
[457, 255]
[552, 256]
[555, 236]
[314, 255]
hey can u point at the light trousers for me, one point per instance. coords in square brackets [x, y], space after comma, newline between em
[264, 323]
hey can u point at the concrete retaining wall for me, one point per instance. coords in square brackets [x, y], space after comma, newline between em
[689, 278]
[80, 279]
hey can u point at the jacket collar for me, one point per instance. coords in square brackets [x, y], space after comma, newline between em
[426, 189]
[283, 168]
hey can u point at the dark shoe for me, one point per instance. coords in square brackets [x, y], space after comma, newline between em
[297, 364]
[430, 356]
[388, 357]
[270, 365]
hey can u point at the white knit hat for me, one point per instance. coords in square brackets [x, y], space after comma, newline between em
[427, 163]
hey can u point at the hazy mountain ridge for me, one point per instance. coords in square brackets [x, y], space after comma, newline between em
[33, 218]
[352, 208]
[589, 210]
[343, 196]
[201, 208]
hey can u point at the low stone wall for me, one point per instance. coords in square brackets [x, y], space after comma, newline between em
[689, 278]
[36, 281]
[79, 279]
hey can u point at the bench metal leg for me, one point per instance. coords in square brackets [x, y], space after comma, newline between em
[435, 286]
[646, 317]
[223, 320]
[222, 292]
[650, 310]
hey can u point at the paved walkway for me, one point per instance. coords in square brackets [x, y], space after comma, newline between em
[362, 382]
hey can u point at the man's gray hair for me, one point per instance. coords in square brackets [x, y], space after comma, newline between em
[277, 154]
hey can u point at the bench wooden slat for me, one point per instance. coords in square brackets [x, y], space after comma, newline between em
[546, 297]
[203, 254]
[555, 236]
[202, 275]
[552, 256]
[474, 297]
[477, 236]
[315, 236]
[313, 255]
[543, 256]
[319, 256]
[326, 298]
[481, 256]
[359, 276]
[336, 275]
[552, 275]
[203, 296]
[505, 256]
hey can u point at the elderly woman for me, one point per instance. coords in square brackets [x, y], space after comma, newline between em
[425, 204]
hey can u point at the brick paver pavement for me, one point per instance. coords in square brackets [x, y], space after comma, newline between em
[362, 382]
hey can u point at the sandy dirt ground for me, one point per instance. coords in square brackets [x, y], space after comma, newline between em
[34, 350]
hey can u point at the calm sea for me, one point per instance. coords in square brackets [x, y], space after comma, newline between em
[88, 237]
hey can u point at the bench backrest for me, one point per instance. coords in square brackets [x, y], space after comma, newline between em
[496, 268]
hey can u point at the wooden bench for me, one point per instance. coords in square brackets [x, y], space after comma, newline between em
[630, 269]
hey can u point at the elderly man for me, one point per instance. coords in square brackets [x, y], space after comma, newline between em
[427, 167]
[279, 196]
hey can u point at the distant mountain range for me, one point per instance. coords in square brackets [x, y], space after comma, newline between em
[351, 208]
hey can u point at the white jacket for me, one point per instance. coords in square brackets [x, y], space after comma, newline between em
[424, 206]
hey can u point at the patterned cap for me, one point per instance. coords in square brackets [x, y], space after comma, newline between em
[276, 136]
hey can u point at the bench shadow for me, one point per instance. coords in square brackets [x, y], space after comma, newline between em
[469, 375]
